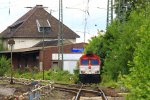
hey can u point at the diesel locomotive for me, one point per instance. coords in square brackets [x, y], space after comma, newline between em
[89, 68]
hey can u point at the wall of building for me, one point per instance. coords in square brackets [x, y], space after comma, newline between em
[72, 40]
[70, 60]
[27, 42]
[51, 56]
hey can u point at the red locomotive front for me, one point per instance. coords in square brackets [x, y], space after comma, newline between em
[89, 68]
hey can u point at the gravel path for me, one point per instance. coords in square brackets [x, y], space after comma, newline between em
[6, 91]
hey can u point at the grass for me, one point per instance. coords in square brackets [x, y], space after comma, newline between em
[56, 76]
[59, 76]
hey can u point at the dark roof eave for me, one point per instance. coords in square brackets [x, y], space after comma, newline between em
[22, 50]
[6, 37]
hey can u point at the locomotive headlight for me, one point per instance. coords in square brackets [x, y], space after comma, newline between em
[97, 72]
[82, 72]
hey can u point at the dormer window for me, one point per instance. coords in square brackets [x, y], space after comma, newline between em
[43, 25]
[15, 25]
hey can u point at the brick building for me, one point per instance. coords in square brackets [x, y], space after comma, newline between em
[31, 57]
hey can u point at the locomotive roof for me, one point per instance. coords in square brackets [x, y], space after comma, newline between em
[90, 56]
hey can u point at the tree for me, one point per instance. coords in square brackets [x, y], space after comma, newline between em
[96, 45]
[100, 45]
[126, 48]
[4, 65]
[123, 8]
[138, 81]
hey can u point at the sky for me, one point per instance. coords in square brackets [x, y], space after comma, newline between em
[73, 14]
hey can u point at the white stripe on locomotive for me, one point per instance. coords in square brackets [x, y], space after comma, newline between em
[94, 69]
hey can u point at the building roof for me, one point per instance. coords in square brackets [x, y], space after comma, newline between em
[50, 43]
[22, 50]
[26, 26]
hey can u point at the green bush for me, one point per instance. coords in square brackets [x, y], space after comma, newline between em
[4, 65]
[108, 82]
[53, 75]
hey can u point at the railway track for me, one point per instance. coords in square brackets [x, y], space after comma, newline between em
[48, 90]
[81, 92]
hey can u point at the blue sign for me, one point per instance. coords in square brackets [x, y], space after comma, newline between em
[77, 50]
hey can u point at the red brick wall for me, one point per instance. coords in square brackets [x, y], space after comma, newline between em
[49, 51]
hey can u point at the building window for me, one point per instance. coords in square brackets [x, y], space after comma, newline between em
[43, 25]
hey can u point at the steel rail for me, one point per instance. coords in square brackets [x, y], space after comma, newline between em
[67, 84]
[78, 94]
[68, 91]
[76, 89]
[103, 94]
[65, 88]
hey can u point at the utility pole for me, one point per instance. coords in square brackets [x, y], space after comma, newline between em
[11, 42]
[109, 12]
[122, 7]
[85, 19]
[60, 35]
[43, 52]
[119, 10]
[123, 11]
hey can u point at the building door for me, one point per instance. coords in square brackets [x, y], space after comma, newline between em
[55, 66]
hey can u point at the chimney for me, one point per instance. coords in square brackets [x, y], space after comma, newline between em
[39, 6]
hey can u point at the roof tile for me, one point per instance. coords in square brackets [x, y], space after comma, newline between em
[26, 26]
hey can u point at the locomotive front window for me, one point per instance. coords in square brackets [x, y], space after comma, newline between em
[94, 62]
[84, 62]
